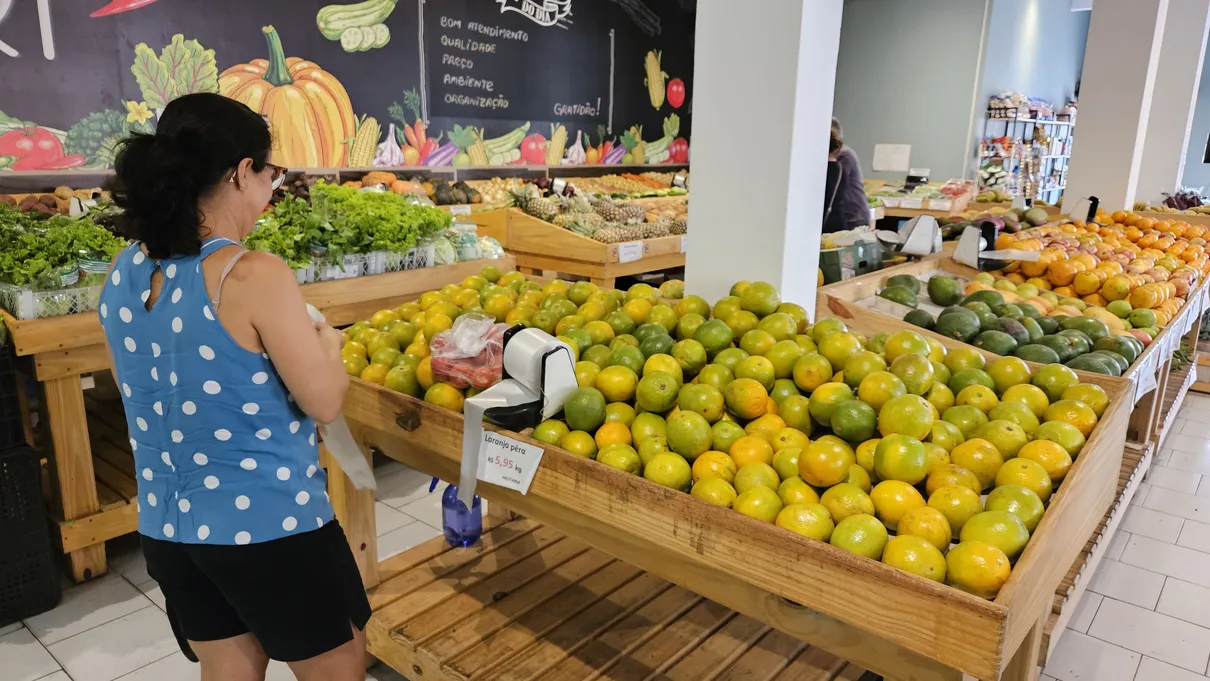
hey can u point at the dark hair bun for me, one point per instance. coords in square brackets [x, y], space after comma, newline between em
[161, 177]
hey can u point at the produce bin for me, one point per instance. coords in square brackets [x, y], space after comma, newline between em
[92, 488]
[807, 589]
[839, 264]
[29, 582]
[856, 302]
[530, 602]
[541, 247]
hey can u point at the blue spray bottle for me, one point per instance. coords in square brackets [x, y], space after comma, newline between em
[462, 525]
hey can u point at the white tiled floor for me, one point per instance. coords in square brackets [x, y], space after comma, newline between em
[114, 628]
[1145, 616]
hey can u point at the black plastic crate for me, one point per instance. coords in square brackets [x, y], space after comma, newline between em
[29, 578]
[11, 431]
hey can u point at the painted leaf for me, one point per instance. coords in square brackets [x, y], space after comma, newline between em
[191, 67]
[154, 79]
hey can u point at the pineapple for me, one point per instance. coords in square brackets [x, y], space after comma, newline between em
[564, 221]
[612, 233]
[632, 212]
[652, 230]
[608, 210]
[679, 227]
[538, 207]
[577, 204]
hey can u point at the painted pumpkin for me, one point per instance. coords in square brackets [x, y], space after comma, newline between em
[308, 109]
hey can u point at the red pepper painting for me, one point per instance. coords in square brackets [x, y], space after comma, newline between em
[119, 6]
[36, 149]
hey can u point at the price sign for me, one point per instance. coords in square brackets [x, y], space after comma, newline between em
[678, 180]
[630, 251]
[1146, 374]
[508, 463]
[685, 244]
[460, 210]
[558, 186]
[915, 204]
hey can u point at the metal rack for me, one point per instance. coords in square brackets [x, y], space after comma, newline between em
[1054, 160]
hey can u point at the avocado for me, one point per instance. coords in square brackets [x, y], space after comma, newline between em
[996, 341]
[920, 318]
[1083, 343]
[977, 306]
[963, 325]
[1036, 216]
[1029, 311]
[944, 290]
[988, 321]
[1094, 364]
[1015, 329]
[899, 294]
[1094, 328]
[1037, 353]
[1007, 310]
[991, 298]
[1063, 346]
[906, 281]
[1049, 325]
[1114, 358]
[1032, 327]
[1119, 345]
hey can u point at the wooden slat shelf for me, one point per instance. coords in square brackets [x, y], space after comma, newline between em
[532, 603]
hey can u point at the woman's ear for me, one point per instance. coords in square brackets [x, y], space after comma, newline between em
[243, 173]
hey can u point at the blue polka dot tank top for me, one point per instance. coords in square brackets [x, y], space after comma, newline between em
[222, 453]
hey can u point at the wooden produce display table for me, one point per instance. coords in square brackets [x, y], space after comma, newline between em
[530, 602]
[89, 501]
[879, 618]
[851, 301]
[492, 222]
[546, 250]
[1191, 218]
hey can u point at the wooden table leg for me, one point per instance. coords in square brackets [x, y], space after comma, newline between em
[72, 478]
[1024, 664]
[355, 510]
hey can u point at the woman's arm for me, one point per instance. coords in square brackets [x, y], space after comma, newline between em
[306, 356]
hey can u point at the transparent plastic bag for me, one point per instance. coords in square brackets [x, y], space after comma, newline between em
[490, 248]
[471, 354]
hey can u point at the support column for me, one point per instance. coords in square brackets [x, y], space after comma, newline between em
[1120, 63]
[1176, 84]
[757, 207]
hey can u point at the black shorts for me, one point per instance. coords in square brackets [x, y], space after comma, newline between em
[299, 595]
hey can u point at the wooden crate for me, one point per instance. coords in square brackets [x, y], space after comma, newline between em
[85, 488]
[541, 248]
[1136, 461]
[491, 222]
[530, 602]
[801, 587]
[848, 300]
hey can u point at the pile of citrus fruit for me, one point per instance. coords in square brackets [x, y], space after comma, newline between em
[937, 463]
[1147, 263]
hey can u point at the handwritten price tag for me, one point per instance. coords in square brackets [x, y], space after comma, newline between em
[630, 251]
[460, 210]
[914, 204]
[508, 463]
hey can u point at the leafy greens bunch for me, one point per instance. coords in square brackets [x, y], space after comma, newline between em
[360, 222]
[32, 245]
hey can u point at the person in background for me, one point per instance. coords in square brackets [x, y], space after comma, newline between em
[849, 208]
[223, 377]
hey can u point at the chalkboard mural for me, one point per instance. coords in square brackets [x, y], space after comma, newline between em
[381, 83]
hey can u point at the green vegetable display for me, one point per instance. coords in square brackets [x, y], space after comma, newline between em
[341, 221]
[33, 246]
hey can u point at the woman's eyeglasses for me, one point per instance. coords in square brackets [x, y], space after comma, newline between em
[279, 175]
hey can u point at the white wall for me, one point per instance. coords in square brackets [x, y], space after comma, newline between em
[907, 74]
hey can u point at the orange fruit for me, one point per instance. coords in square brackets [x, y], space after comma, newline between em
[375, 373]
[1073, 412]
[766, 427]
[445, 395]
[892, 499]
[977, 568]
[1053, 458]
[746, 398]
[979, 457]
[714, 464]
[617, 383]
[927, 523]
[958, 505]
[612, 433]
[826, 461]
[751, 449]
[1026, 473]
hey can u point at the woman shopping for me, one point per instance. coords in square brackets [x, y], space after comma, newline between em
[223, 376]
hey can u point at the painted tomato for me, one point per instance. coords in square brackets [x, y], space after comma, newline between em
[533, 150]
[676, 92]
[678, 151]
[36, 149]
